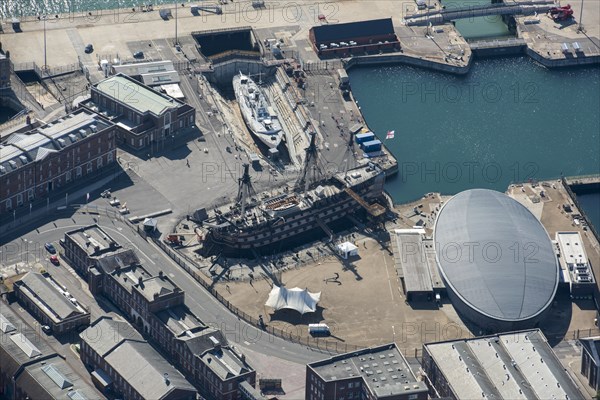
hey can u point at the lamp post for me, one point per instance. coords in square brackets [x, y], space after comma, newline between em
[580, 28]
[176, 41]
[45, 17]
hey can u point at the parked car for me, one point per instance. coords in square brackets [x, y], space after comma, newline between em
[89, 49]
[138, 54]
[50, 248]
[46, 329]
[54, 260]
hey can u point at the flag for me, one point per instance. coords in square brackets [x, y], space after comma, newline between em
[390, 134]
[87, 197]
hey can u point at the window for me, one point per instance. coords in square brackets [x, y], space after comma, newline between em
[8, 204]
[78, 172]
[89, 167]
[30, 194]
[19, 199]
[68, 176]
[99, 163]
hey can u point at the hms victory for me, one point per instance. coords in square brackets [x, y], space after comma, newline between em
[256, 111]
[257, 221]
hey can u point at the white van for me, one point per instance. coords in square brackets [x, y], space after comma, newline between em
[318, 330]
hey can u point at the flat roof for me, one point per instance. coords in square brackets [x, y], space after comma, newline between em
[514, 365]
[384, 370]
[93, 240]
[135, 95]
[352, 30]
[49, 296]
[572, 249]
[144, 67]
[160, 78]
[477, 234]
[409, 253]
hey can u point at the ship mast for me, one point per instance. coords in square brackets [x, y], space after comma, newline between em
[245, 188]
[311, 172]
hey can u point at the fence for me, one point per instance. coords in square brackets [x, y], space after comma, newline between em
[291, 334]
[16, 121]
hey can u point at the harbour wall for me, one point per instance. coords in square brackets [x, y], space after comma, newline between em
[406, 60]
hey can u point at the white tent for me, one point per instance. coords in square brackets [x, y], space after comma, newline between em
[347, 249]
[297, 299]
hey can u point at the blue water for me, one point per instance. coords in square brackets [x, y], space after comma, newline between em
[508, 120]
[18, 8]
[480, 27]
[590, 202]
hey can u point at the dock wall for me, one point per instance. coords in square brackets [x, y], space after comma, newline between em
[406, 60]
[564, 62]
[573, 185]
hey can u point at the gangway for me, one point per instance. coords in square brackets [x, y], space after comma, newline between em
[211, 8]
[325, 229]
[451, 14]
[375, 209]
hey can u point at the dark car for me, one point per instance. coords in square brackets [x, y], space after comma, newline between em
[50, 248]
[89, 49]
[138, 54]
[54, 260]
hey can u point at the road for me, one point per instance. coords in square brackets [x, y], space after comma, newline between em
[202, 303]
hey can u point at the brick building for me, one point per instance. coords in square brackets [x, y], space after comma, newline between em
[142, 114]
[4, 69]
[155, 305]
[590, 360]
[35, 163]
[84, 246]
[50, 303]
[30, 369]
[376, 373]
[505, 366]
[122, 362]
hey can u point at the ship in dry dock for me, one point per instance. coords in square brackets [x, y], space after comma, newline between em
[256, 222]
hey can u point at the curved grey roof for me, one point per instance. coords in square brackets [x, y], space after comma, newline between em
[495, 255]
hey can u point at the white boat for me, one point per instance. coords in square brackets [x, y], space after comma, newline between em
[259, 116]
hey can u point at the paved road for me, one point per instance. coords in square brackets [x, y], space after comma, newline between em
[208, 309]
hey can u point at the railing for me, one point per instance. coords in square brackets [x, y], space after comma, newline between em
[291, 333]
[49, 72]
[21, 119]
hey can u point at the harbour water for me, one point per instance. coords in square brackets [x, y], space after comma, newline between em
[479, 27]
[590, 202]
[508, 120]
[18, 8]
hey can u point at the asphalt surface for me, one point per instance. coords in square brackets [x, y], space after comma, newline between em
[29, 247]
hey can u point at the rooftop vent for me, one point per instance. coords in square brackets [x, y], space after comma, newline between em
[23, 159]
[62, 142]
